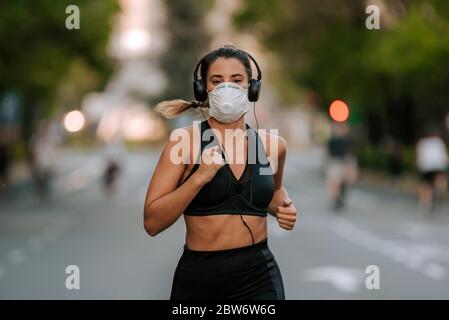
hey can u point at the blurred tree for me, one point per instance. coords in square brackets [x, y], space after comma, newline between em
[188, 41]
[40, 57]
[397, 76]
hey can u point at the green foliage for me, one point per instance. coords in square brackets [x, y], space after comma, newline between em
[38, 53]
[371, 157]
[397, 76]
[188, 41]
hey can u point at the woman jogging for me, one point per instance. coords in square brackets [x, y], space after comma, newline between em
[224, 185]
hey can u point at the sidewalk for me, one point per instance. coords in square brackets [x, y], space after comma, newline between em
[19, 177]
[73, 164]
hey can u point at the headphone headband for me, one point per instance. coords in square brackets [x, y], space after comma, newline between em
[198, 65]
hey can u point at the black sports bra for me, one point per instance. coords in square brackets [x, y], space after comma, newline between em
[224, 194]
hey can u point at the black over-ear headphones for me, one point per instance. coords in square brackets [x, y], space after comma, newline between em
[199, 86]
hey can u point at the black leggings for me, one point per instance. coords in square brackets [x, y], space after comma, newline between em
[249, 273]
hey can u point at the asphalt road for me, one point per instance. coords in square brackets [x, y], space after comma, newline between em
[325, 257]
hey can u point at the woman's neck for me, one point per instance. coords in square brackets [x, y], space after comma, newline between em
[239, 124]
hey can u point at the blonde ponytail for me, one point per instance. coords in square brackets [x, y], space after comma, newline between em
[172, 108]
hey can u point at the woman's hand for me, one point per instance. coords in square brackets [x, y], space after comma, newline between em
[286, 214]
[211, 162]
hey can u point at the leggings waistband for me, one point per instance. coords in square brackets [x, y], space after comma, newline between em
[232, 250]
[225, 260]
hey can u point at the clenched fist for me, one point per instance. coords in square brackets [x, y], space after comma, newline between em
[286, 214]
[212, 161]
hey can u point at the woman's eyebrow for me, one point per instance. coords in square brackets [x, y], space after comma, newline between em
[237, 75]
[216, 76]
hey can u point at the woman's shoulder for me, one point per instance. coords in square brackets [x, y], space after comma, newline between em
[273, 142]
[184, 140]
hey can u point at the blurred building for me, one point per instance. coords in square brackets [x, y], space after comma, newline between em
[136, 42]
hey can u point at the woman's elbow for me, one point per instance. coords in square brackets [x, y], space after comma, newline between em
[152, 233]
[150, 228]
[149, 224]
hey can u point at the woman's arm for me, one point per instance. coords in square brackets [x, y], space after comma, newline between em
[281, 206]
[280, 193]
[165, 201]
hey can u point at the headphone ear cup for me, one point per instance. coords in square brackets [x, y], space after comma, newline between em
[199, 90]
[254, 90]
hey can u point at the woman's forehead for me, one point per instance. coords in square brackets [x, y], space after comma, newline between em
[226, 67]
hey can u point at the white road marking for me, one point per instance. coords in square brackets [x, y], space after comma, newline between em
[414, 230]
[435, 271]
[342, 278]
[400, 252]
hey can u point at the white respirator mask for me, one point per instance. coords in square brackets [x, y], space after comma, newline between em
[228, 102]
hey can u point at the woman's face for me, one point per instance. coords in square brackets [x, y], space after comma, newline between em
[226, 70]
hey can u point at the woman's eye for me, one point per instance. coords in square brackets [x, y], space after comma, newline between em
[215, 82]
[237, 81]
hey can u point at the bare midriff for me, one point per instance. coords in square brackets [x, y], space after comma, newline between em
[223, 231]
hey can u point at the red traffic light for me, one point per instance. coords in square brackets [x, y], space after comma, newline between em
[339, 111]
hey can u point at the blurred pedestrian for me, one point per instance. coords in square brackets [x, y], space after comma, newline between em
[395, 158]
[44, 156]
[432, 163]
[341, 169]
[113, 153]
[5, 160]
